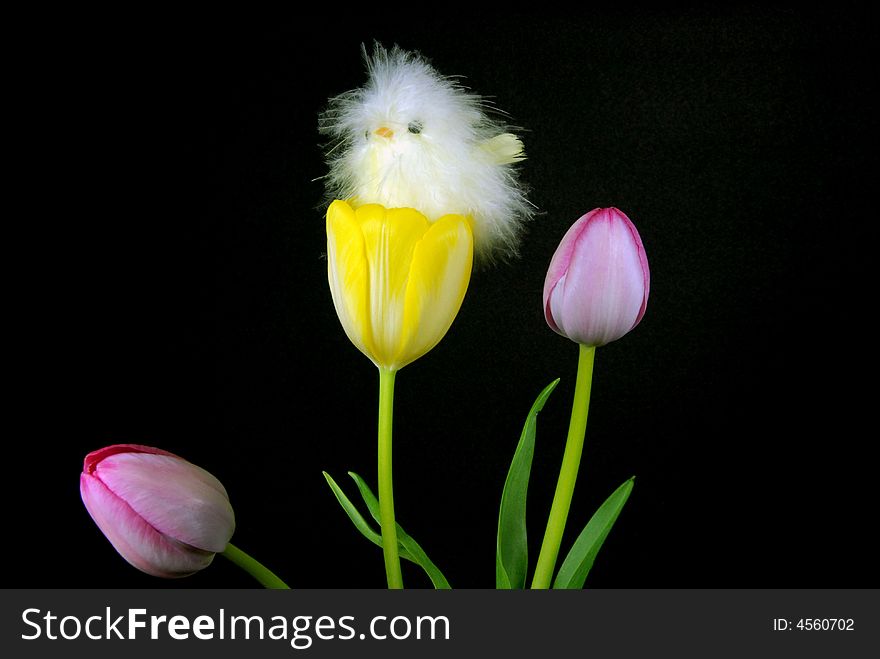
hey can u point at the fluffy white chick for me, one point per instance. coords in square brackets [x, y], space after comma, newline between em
[412, 137]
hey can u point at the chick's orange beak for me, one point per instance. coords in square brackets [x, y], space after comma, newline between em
[385, 132]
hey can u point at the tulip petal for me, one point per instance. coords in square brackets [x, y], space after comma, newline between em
[136, 541]
[553, 307]
[93, 458]
[560, 262]
[348, 273]
[438, 279]
[175, 497]
[390, 239]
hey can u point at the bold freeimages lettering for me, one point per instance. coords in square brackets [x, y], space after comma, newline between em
[154, 625]
[134, 623]
[178, 628]
[203, 628]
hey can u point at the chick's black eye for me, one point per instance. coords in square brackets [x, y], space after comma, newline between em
[415, 127]
[366, 134]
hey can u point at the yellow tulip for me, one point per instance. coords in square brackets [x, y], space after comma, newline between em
[397, 279]
[398, 282]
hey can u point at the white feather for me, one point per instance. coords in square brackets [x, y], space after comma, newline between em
[459, 161]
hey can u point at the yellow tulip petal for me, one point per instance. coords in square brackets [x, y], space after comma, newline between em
[348, 273]
[390, 239]
[397, 280]
[438, 280]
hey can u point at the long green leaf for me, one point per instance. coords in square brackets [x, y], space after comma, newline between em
[580, 559]
[404, 540]
[357, 519]
[512, 554]
[502, 581]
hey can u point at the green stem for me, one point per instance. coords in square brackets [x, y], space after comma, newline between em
[571, 460]
[253, 567]
[386, 490]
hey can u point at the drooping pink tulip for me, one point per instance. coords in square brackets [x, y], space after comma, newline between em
[164, 515]
[597, 284]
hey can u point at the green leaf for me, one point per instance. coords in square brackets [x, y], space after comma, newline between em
[404, 540]
[357, 519]
[580, 559]
[511, 555]
[502, 581]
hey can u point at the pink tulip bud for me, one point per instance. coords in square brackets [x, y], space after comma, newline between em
[166, 516]
[597, 285]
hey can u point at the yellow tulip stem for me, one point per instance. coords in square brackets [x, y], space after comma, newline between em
[386, 490]
[571, 460]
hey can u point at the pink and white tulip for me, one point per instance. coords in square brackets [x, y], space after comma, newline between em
[164, 515]
[597, 284]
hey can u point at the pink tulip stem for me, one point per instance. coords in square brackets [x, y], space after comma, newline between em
[386, 490]
[253, 567]
[571, 460]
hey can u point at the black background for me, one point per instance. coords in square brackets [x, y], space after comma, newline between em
[173, 293]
